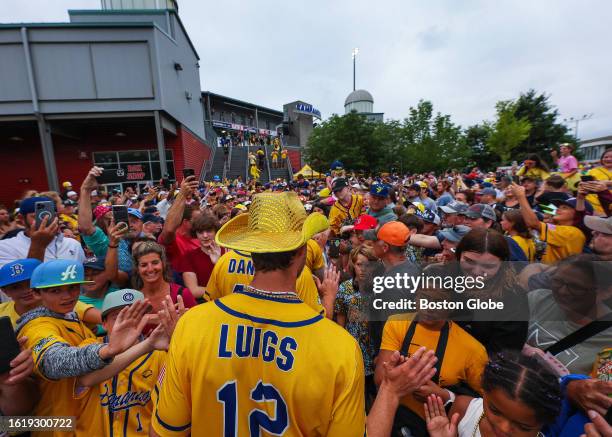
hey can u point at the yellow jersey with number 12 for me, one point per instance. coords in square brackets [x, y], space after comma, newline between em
[258, 363]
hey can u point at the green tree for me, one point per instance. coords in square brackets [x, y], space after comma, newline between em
[432, 143]
[508, 131]
[545, 132]
[421, 142]
[350, 138]
[476, 138]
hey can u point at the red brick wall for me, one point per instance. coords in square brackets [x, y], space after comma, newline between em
[23, 160]
[72, 167]
[196, 152]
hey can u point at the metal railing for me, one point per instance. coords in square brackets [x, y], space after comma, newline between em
[288, 163]
[227, 164]
[268, 163]
[247, 163]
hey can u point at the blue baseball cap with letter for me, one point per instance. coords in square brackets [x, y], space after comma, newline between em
[58, 272]
[17, 271]
[379, 190]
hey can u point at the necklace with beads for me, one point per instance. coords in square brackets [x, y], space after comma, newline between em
[287, 295]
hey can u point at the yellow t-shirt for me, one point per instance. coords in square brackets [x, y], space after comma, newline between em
[562, 241]
[236, 268]
[600, 174]
[127, 400]
[8, 309]
[274, 155]
[528, 246]
[296, 374]
[534, 172]
[339, 212]
[464, 359]
[57, 396]
[314, 256]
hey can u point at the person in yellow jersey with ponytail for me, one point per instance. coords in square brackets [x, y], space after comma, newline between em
[259, 361]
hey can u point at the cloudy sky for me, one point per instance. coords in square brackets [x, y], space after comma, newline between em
[462, 55]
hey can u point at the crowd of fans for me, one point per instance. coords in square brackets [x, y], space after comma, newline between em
[133, 325]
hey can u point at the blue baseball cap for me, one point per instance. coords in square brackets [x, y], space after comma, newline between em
[17, 271]
[428, 216]
[571, 202]
[95, 263]
[136, 213]
[58, 272]
[216, 178]
[488, 191]
[455, 234]
[28, 205]
[379, 190]
[337, 165]
[454, 207]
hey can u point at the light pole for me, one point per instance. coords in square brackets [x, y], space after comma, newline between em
[577, 120]
[355, 51]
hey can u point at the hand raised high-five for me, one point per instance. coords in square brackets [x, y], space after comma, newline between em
[438, 424]
[128, 326]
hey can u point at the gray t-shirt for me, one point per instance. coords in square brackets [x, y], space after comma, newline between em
[549, 324]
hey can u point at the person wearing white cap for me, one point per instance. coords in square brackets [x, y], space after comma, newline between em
[601, 241]
[133, 373]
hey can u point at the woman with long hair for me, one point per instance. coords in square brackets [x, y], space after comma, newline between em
[350, 309]
[483, 255]
[514, 225]
[152, 276]
[534, 167]
[602, 172]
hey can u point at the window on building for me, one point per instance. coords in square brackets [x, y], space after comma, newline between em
[141, 166]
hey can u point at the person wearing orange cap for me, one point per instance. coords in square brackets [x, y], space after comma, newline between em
[390, 247]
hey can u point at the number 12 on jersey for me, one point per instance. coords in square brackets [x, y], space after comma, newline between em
[228, 396]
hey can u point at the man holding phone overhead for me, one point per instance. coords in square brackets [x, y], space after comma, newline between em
[41, 238]
[93, 235]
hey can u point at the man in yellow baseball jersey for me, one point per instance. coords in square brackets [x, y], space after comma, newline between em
[62, 346]
[346, 208]
[236, 268]
[259, 361]
[127, 384]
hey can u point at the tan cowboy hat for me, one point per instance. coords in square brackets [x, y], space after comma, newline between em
[276, 222]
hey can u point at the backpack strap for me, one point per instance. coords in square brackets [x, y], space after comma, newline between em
[587, 331]
[440, 348]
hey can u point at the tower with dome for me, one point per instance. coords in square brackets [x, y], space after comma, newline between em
[361, 101]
